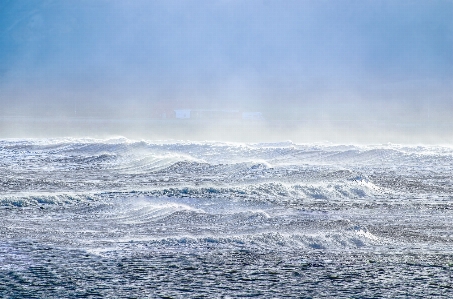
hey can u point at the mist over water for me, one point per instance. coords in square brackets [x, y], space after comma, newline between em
[337, 132]
[338, 70]
[223, 149]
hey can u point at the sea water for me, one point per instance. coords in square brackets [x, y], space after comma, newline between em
[139, 219]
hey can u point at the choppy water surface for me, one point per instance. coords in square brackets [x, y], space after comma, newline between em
[116, 218]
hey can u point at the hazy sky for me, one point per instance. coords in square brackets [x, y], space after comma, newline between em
[333, 59]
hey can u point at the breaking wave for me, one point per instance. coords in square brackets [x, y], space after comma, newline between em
[87, 213]
[262, 191]
[73, 170]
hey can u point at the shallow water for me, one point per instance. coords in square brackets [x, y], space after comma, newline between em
[118, 218]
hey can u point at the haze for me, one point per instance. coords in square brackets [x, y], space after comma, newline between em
[342, 71]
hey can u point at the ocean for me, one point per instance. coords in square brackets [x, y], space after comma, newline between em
[119, 218]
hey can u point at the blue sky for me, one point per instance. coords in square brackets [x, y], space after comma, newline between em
[257, 54]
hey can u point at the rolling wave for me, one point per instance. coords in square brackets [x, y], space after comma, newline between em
[109, 211]
[75, 170]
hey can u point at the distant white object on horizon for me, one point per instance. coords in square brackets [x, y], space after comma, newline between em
[216, 114]
[182, 113]
[252, 116]
[207, 114]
